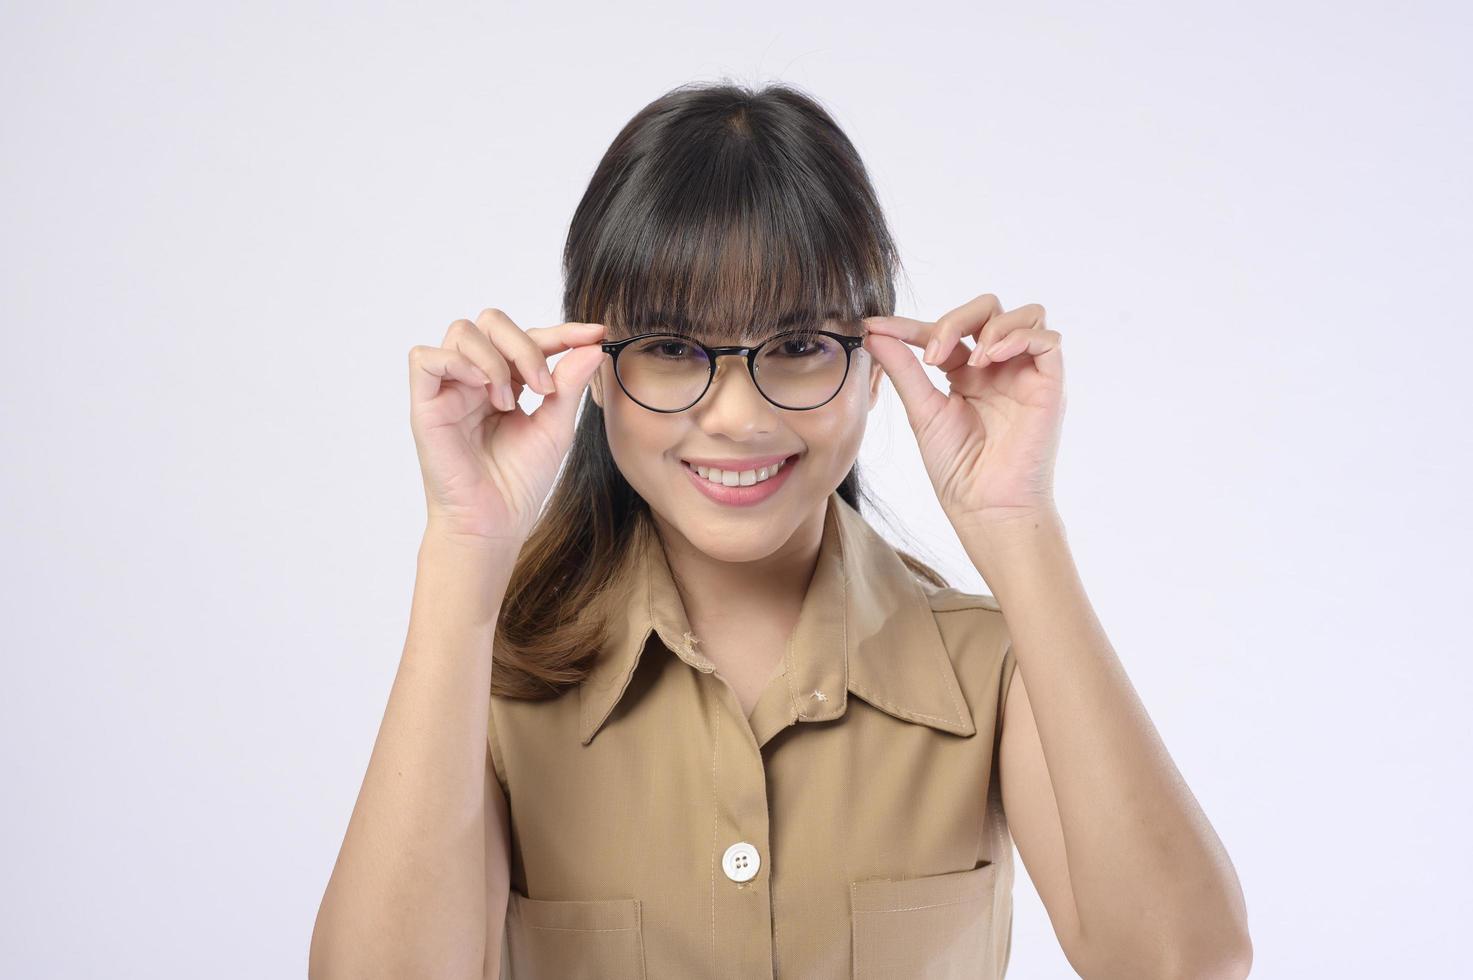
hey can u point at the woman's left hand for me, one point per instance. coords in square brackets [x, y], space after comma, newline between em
[989, 444]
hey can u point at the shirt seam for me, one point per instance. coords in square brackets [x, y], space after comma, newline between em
[933, 905]
[498, 764]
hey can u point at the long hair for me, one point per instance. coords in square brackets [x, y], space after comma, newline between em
[718, 209]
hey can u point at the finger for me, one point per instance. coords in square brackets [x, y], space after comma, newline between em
[471, 340]
[918, 333]
[524, 360]
[921, 398]
[966, 320]
[1039, 342]
[565, 336]
[430, 367]
[525, 355]
[915, 332]
[1028, 316]
[570, 375]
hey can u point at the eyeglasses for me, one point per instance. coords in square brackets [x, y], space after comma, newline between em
[670, 372]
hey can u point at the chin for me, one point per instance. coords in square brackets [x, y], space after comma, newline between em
[738, 538]
[735, 550]
[736, 534]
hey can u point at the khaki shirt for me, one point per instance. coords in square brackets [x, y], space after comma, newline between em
[851, 827]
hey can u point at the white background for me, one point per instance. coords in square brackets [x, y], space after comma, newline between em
[224, 226]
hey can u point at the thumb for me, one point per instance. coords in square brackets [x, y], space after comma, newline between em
[570, 376]
[921, 398]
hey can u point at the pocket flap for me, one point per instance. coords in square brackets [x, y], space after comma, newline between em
[589, 915]
[939, 927]
[574, 939]
[890, 895]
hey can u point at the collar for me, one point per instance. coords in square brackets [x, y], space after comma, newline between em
[865, 627]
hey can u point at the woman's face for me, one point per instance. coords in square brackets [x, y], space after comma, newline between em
[733, 421]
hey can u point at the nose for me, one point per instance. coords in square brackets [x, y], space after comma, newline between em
[732, 405]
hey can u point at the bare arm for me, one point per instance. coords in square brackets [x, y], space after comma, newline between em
[411, 891]
[1136, 881]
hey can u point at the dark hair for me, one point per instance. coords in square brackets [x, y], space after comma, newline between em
[723, 211]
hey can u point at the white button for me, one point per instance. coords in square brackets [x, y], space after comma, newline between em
[740, 862]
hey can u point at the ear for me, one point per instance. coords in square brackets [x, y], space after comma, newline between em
[876, 376]
[596, 387]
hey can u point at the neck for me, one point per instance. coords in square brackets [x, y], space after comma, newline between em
[725, 596]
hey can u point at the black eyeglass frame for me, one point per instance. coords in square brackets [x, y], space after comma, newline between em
[848, 341]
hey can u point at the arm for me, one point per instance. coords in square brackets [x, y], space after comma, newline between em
[413, 884]
[1136, 881]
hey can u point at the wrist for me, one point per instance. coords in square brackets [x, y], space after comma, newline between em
[450, 534]
[1006, 523]
[463, 578]
[1001, 538]
[470, 554]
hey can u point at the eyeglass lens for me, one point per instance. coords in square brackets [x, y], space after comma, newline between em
[670, 373]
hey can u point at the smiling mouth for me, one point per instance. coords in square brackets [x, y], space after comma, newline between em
[740, 478]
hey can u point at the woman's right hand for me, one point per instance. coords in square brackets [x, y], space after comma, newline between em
[487, 465]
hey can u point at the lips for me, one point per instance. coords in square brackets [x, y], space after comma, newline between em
[737, 464]
[742, 478]
[743, 495]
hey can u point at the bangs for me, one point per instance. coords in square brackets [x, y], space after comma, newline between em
[729, 239]
[728, 285]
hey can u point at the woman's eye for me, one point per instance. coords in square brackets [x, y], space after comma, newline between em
[798, 348]
[665, 349]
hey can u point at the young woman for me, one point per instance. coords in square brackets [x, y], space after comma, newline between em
[731, 731]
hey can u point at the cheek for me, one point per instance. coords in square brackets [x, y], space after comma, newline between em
[621, 415]
[853, 405]
[834, 433]
[639, 440]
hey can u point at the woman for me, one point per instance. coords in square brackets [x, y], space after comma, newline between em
[731, 731]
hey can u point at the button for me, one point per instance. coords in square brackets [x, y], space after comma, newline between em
[740, 862]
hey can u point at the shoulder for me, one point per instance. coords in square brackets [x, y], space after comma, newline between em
[951, 599]
[965, 616]
[975, 636]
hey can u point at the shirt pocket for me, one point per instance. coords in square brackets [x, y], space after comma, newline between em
[934, 928]
[585, 939]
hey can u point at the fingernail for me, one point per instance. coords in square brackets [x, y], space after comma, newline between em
[508, 400]
[546, 382]
[931, 350]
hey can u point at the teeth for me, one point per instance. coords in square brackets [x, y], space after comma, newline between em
[743, 478]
